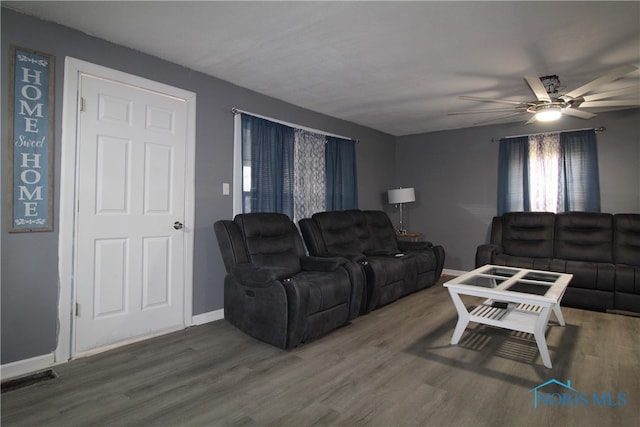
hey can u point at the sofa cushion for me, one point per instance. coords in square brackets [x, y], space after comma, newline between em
[586, 274]
[588, 299]
[627, 295]
[528, 234]
[628, 279]
[584, 236]
[626, 239]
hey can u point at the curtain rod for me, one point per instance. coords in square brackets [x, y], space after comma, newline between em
[598, 129]
[235, 111]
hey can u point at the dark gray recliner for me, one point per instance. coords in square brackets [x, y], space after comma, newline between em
[273, 291]
[393, 268]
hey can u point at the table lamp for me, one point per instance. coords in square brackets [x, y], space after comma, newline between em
[400, 196]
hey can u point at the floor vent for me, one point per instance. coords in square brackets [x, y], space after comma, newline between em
[27, 380]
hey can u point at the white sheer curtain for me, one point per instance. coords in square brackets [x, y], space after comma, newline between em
[545, 173]
[309, 186]
[549, 172]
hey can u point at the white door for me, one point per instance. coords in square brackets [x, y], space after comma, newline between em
[131, 206]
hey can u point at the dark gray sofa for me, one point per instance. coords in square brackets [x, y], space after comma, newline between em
[601, 250]
[276, 293]
[393, 268]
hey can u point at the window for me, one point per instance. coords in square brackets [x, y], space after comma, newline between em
[555, 172]
[292, 170]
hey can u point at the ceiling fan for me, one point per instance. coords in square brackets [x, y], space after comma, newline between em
[548, 106]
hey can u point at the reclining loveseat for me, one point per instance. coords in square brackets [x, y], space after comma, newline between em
[276, 293]
[393, 268]
[601, 250]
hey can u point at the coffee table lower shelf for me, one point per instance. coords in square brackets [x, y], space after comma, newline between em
[515, 317]
[520, 317]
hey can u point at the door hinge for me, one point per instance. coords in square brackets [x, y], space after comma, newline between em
[77, 310]
[82, 104]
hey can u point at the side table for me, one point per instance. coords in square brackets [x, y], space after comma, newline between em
[409, 235]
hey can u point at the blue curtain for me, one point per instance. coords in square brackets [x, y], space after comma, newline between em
[269, 148]
[341, 176]
[580, 168]
[579, 176]
[513, 175]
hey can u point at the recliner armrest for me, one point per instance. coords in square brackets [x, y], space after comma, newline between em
[258, 276]
[413, 246]
[485, 254]
[380, 253]
[355, 257]
[316, 263]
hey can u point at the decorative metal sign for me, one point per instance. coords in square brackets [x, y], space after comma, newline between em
[30, 140]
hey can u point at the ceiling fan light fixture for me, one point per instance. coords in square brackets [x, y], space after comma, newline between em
[548, 113]
[547, 108]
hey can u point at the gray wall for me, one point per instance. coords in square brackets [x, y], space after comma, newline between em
[30, 260]
[455, 176]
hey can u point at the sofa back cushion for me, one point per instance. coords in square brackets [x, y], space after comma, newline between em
[626, 239]
[382, 235]
[528, 234]
[584, 236]
[338, 229]
[271, 239]
[360, 228]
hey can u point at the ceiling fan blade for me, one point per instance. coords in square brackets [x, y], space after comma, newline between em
[501, 101]
[531, 120]
[612, 75]
[612, 93]
[612, 103]
[537, 88]
[489, 110]
[577, 113]
[495, 119]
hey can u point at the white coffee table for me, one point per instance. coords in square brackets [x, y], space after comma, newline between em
[518, 299]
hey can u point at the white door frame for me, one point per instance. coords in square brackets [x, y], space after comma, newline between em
[74, 68]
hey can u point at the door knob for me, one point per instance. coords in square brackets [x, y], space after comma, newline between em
[178, 225]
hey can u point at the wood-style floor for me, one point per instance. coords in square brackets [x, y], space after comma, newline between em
[393, 367]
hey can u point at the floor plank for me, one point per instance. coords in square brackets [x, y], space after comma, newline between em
[394, 366]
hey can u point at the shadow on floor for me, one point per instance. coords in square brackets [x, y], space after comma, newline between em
[498, 353]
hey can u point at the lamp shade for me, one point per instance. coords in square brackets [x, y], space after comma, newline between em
[401, 195]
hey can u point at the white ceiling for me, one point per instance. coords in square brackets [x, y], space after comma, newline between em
[393, 66]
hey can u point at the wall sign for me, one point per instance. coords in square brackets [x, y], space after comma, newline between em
[30, 141]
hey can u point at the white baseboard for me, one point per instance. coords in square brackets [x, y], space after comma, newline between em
[212, 316]
[449, 272]
[26, 366]
[38, 363]
[133, 340]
